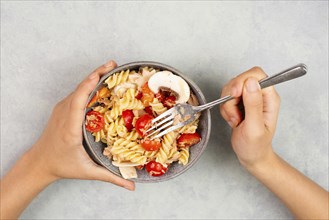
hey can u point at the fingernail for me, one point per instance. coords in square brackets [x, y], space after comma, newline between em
[93, 75]
[252, 85]
[108, 64]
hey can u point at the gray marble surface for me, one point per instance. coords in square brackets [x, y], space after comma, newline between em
[48, 47]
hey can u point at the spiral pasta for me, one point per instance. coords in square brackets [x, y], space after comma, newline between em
[184, 156]
[100, 136]
[189, 128]
[122, 88]
[167, 143]
[128, 151]
[117, 78]
[114, 129]
[130, 102]
[150, 155]
[113, 114]
[111, 129]
[110, 140]
[133, 135]
[136, 147]
[100, 109]
[173, 155]
[157, 106]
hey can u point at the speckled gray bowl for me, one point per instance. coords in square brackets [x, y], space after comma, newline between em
[95, 149]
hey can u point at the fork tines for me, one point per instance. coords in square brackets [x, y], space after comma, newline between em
[160, 123]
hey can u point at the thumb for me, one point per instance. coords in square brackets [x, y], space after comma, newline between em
[253, 105]
[102, 174]
[81, 94]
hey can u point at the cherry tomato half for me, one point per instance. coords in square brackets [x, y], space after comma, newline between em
[169, 101]
[139, 95]
[150, 145]
[94, 121]
[155, 168]
[143, 123]
[187, 140]
[128, 117]
[148, 110]
[160, 96]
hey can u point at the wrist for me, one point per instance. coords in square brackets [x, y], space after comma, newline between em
[266, 163]
[38, 166]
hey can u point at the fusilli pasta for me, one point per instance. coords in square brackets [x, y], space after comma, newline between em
[117, 78]
[100, 136]
[125, 150]
[113, 114]
[184, 156]
[157, 106]
[189, 128]
[167, 144]
[100, 109]
[128, 101]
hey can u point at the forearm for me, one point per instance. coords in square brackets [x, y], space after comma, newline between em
[304, 198]
[21, 184]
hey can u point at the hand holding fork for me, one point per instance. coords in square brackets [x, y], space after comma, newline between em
[183, 114]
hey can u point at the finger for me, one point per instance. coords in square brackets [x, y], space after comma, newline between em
[255, 71]
[102, 70]
[237, 83]
[253, 105]
[82, 92]
[229, 110]
[102, 174]
[271, 106]
[231, 113]
[80, 96]
[271, 100]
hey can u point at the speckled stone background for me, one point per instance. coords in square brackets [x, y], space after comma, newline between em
[48, 47]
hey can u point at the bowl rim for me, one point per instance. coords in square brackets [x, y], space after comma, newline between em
[90, 150]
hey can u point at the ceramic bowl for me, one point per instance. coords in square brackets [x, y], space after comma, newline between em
[95, 149]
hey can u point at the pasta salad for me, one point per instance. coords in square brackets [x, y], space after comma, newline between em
[122, 110]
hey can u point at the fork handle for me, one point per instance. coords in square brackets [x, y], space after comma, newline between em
[286, 75]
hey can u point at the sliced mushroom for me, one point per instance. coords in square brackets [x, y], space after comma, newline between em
[167, 80]
[141, 79]
[128, 172]
[124, 164]
[127, 169]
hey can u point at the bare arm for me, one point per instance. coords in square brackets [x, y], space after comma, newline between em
[57, 154]
[252, 142]
[22, 183]
[304, 198]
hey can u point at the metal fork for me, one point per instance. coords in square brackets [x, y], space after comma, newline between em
[185, 113]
